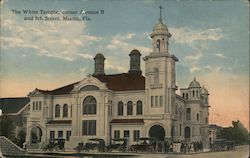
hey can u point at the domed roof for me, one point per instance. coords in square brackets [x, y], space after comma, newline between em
[135, 51]
[99, 56]
[160, 27]
[194, 84]
[204, 90]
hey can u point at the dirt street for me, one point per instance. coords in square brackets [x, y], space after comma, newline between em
[239, 152]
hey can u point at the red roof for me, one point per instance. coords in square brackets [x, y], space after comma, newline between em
[60, 122]
[116, 82]
[123, 82]
[62, 90]
[128, 121]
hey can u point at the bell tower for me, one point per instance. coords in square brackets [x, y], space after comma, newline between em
[160, 72]
[160, 36]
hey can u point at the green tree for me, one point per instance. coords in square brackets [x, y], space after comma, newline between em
[7, 127]
[21, 138]
[237, 133]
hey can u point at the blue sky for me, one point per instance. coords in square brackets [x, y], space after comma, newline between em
[209, 37]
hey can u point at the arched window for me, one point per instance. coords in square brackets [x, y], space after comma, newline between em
[198, 116]
[130, 108]
[193, 93]
[89, 105]
[139, 108]
[65, 110]
[156, 75]
[57, 110]
[187, 132]
[120, 108]
[158, 45]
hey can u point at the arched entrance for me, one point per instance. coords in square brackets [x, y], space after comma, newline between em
[158, 132]
[187, 132]
[35, 135]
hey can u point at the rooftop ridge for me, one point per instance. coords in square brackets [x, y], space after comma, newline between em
[15, 98]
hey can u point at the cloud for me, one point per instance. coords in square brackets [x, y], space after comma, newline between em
[86, 56]
[111, 66]
[213, 68]
[83, 70]
[12, 41]
[194, 57]
[194, 68]
[52, 39]
[124, 43]
[198, 40]
[189, 36]
[220, 55]
[119, 41]
[92, 38]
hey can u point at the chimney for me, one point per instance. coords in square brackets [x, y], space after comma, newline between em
[135, 62]
[99, 64]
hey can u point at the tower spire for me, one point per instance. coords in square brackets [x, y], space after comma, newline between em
[160, 19]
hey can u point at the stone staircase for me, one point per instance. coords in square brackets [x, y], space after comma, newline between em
[7, 147]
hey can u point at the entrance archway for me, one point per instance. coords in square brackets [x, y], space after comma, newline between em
[187, 132]
[158, 132]
[35, 134]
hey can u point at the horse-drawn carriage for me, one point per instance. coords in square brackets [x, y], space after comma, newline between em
[222, 145]
[55, 144]
[92, 144]
[119, 144]
[144, 144]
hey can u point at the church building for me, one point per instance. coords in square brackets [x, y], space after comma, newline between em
[125, 105]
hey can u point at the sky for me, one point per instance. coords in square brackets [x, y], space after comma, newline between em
[209, 37]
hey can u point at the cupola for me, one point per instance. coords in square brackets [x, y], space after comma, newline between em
[135, 62]
[160, 36]
[194, 84]
[99, 64]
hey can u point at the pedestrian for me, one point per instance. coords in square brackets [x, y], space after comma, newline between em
[201, 147]
[165, 146]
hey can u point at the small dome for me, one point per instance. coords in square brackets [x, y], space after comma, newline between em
[204, 90]
[160, 26]
[160, 29]
[194, 84]
[135, 51]
[99, 56]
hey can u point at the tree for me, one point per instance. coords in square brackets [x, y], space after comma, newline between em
[21, 138]
[7, 127]
[237, 133]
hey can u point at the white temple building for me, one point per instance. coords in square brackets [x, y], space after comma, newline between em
[125, 105]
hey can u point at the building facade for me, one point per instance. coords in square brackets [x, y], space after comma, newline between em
[127, 105]
[213, 132]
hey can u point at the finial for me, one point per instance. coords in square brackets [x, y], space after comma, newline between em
[160, 19]
[194, 78]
